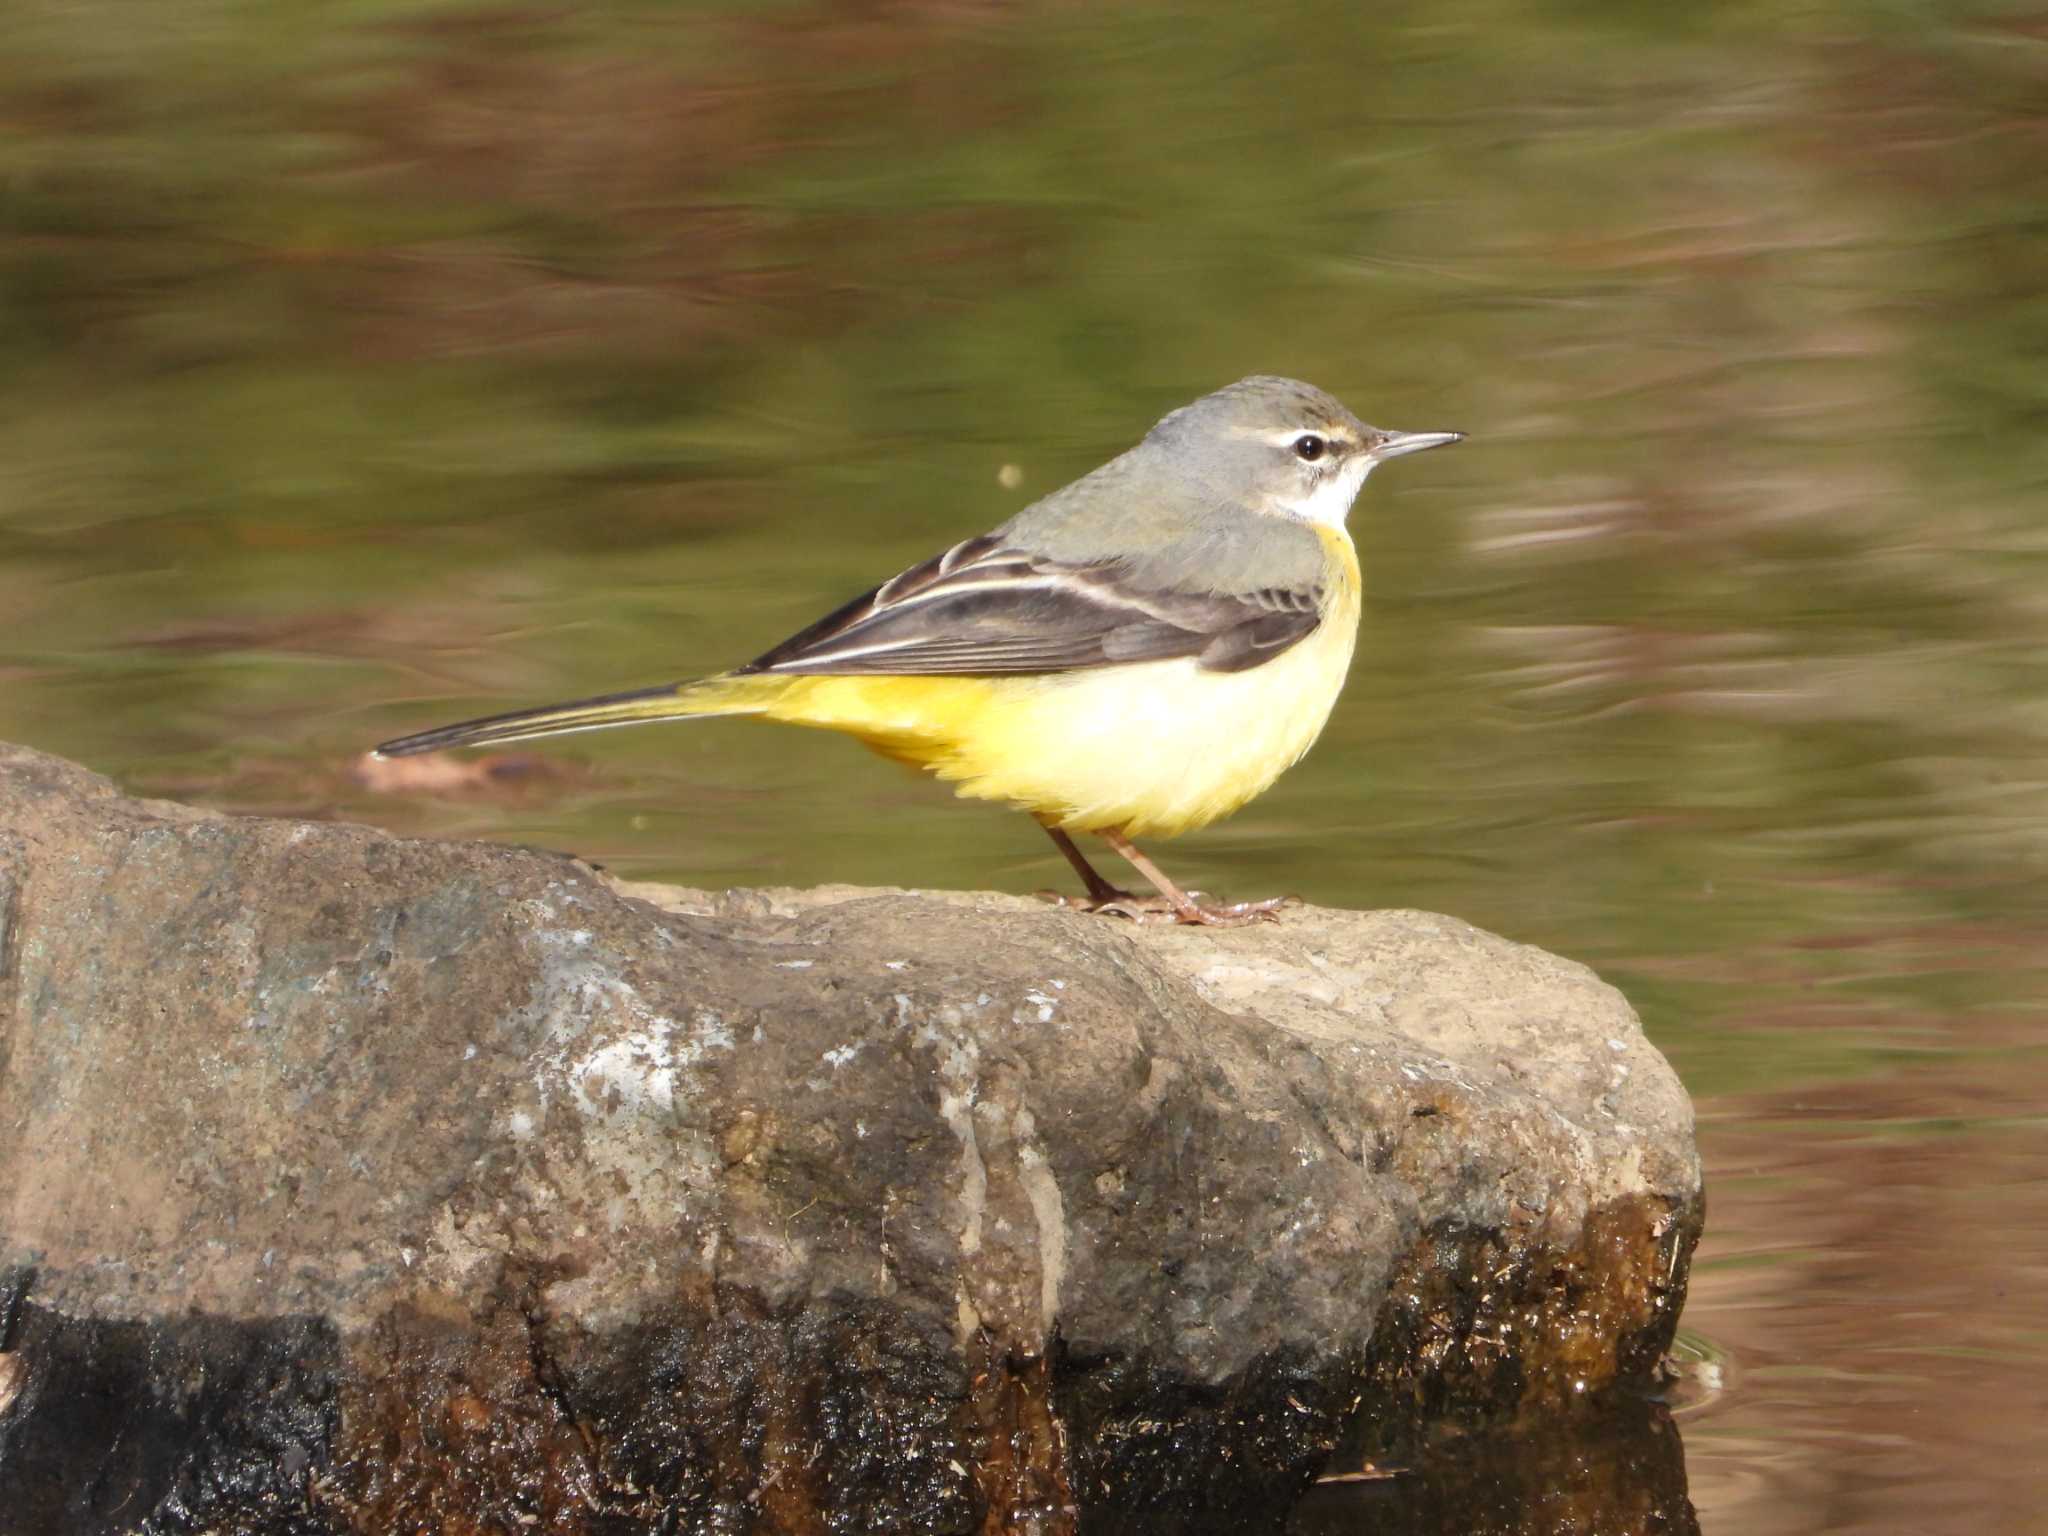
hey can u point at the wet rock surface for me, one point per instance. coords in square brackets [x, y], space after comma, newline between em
[353, 1184]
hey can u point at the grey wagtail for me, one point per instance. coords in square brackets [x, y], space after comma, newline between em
[1140, 652]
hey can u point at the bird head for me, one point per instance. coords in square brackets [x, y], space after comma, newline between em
[1283, 448]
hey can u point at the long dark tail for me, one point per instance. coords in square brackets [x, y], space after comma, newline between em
[673, 701]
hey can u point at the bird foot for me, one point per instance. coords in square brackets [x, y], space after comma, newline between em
[1197, 912]
[1233, 914]
[1117, 903]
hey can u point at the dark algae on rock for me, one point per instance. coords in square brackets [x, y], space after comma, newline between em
[353, 1184]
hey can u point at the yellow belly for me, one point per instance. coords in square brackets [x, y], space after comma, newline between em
[1154, 747]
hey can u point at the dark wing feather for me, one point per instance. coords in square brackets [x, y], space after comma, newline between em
[984, 609]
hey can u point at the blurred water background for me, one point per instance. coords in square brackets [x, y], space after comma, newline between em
[367, 365]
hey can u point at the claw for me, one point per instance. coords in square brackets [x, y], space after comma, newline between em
[1124, 909]
[1120, 903]
[1240, 914]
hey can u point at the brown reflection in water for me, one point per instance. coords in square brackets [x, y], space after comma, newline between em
[1619, 1475]
[1876, 1266]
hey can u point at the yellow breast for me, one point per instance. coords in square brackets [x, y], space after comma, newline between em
[1157, 747]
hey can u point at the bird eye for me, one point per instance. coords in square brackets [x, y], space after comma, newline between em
[1308, 447]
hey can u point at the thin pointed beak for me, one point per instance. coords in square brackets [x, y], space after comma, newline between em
[1393, 444]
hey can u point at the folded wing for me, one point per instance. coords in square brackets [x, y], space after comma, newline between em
[982, 608]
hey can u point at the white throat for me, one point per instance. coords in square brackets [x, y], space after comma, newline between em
[1330, 502]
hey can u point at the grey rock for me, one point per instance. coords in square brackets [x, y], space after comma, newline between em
[514, 1195]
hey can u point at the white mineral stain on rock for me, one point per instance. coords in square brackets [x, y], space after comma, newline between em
[631, 1073]
[955, 1059]
[1224, 981]
[957, 1110]
[608, 1071]
[1618, 1176]
[1050, 1212]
